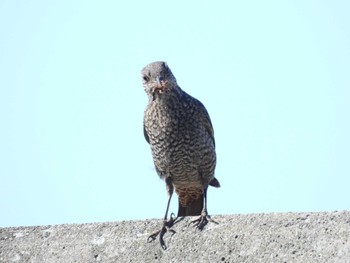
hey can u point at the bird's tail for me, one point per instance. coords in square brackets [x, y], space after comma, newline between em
[193, 209]
[195, 206]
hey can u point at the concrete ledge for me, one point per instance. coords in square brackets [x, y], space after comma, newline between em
[277, 237]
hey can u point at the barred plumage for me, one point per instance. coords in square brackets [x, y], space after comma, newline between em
[179, 131]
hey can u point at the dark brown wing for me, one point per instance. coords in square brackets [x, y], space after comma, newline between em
[145, 133]
[205, 119]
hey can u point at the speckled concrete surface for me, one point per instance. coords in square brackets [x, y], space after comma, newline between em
[276, 237]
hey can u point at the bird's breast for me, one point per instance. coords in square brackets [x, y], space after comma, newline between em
[179, 142]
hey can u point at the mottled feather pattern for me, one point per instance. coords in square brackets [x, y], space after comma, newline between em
[180, 133]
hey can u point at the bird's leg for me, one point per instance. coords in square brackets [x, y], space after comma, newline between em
[166, 224]
[203, 220]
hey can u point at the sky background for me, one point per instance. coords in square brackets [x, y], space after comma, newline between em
[274, 76]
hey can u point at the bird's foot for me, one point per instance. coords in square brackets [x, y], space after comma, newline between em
[166, 227]
[203, 220]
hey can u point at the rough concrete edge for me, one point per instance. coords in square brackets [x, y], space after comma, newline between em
[266, 237]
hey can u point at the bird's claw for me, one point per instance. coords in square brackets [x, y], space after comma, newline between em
[166, 227]
[202, 221]
[153, 236]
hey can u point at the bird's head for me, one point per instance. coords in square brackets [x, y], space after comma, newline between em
[157, 78]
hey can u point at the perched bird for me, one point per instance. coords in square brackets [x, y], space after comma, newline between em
[178, 128]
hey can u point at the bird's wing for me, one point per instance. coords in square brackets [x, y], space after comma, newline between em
[205, 119]
[145, 133]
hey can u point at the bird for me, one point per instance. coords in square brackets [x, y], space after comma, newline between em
[180, 133]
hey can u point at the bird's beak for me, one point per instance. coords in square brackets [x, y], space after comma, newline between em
[158, 85]
[158, 82]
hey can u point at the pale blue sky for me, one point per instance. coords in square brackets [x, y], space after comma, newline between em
[274, 76]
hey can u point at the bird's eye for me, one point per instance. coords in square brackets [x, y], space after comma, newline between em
[145, 78]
